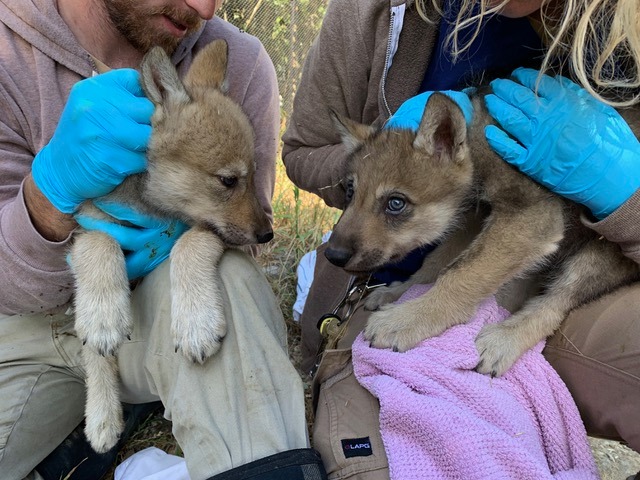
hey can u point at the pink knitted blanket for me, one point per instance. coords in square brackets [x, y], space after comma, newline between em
[440, 419]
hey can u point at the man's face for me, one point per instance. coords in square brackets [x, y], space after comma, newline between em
[145, 23]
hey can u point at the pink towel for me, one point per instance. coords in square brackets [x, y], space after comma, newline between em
[440, 419]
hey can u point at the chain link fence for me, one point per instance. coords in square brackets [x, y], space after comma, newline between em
[286, 28]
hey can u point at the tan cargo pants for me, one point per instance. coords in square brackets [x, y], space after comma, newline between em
[243, 404]
[596, 352]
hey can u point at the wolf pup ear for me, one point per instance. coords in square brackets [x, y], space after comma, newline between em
[209, 67]
[160, 80]
[443, 129]
[352, 134]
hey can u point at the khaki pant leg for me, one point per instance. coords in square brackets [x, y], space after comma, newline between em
[41, 389]
[245, 402]
[597, 354]
[345, 412]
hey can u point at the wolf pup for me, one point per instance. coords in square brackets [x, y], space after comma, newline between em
[406, 189]
[200, 171]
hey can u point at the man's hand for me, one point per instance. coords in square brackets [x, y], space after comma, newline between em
[565, 139]
[146, 244]
[101, 138]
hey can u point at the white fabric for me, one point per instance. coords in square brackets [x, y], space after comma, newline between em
[304, 273]
[152, 464]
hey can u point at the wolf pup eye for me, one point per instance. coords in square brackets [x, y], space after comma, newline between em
[395, 205]
[229, 181]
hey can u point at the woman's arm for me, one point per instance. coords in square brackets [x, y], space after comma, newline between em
[336, 76]
[573, 144]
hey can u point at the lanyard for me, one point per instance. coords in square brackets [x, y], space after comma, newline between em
[333, 325]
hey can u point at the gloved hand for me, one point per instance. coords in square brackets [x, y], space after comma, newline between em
[573, 144]
[409, 114]
[146, 245]
[101, 138]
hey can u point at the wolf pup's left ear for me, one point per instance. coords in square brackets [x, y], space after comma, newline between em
[160, 80]
[352, 134]
[209, 67]
[443, 129]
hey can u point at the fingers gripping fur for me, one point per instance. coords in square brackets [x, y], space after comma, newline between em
[197, 314]
[104, 421]
[102, 308]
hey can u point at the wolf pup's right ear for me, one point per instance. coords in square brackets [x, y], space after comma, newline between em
[443, 130]
[209, 67]
[352, 134]
[160, 81]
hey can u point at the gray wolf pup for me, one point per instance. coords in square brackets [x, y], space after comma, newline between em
[406, 189]
[200, 171]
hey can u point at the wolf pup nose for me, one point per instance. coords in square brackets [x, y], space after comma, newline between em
[339, 257]
[265, 237]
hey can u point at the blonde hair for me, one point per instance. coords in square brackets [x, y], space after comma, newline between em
[599, 40]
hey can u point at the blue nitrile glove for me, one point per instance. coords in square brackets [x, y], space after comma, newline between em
[409, 114]
[573, 144]
[146, 245]
[101, 138]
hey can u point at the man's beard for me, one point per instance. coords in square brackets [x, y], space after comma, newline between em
[132, 21]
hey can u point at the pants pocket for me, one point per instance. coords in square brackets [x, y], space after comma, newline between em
[346, 430]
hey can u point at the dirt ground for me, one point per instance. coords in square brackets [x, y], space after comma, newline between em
[615, 461]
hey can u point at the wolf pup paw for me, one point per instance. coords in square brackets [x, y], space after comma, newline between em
[104, 330]
[400, 327]
[198, 332]
[384, 295]
[499, 348]
[103, 427]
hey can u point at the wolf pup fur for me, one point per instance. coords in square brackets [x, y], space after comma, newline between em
[406, 189]
[200, 171]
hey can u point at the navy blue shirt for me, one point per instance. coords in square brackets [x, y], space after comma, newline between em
[502, 45]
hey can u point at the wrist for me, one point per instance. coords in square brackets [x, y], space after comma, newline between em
[50, 222]
[47, 182]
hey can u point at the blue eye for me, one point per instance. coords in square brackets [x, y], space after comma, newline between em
[395, 205]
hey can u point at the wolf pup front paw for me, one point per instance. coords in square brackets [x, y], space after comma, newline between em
[198, 332]
[402, 327]
[102, 307]
[198, 324]
[499, 347]
[385, 295]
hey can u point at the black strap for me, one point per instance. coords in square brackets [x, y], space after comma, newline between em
[300, 464]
